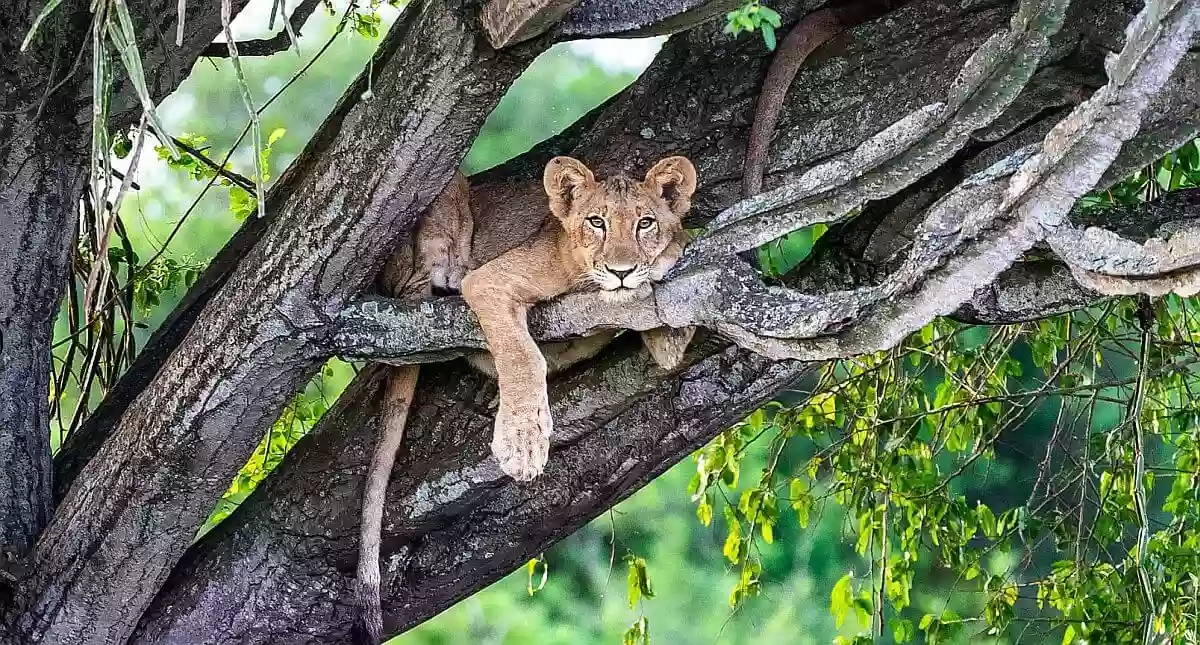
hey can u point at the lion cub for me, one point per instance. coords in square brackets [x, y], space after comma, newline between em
[615, 235]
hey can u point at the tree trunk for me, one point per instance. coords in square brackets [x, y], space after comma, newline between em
[45, 145]
[42, 170]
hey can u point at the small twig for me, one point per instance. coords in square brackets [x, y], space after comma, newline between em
[181, 9]
[100, 266]
[120, 175]
[238, 179]
[1146, 319]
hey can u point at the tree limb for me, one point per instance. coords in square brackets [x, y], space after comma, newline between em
[281, 41]
[396, 332]
[506, 22]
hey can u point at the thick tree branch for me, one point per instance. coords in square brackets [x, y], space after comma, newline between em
[980, 228]
[142, 498]
[41, 175]
[630, 18]
[506, 22]
[397, 332]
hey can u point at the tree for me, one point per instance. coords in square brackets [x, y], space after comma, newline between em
[970, 143]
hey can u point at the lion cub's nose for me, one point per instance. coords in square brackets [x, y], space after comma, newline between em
[619, 273]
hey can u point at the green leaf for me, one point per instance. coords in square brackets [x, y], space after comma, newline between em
[987, 520]
[638, 581]
[841, 600]
[704, 511]
[531, 568]
[122, 146]
[638, 633]
[768, 34]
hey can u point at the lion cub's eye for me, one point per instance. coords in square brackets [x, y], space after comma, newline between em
[596, 222]
[645, 223]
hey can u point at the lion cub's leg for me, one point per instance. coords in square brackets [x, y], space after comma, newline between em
[501, 293]
[521, 441]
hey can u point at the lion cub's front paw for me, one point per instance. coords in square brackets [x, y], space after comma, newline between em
[521, 442]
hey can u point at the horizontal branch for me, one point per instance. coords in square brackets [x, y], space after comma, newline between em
[1152, 248]
[397, 332]
[637, 19]
[281, 41]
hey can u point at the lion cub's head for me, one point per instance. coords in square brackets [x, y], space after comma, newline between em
[623, 233]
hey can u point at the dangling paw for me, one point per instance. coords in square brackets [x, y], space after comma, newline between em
[521, 442]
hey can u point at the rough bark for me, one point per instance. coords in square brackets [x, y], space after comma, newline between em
[44, 148]
[137, 505]
[42, 169]
[284, 560]
[506, 22]
[619, 424]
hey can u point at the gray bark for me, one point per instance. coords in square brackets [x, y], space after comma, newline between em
[44, 144]
[136, 506]
[281, 567]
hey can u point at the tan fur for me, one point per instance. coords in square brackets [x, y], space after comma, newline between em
[569, 252]
[617, 234]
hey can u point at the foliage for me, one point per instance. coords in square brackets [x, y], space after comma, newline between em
[200, 167]
[753, 16]
[895, 439]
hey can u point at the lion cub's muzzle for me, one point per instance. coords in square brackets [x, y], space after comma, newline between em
[622, 281]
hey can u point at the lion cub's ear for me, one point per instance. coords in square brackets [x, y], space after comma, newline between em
[674, 179]
[563, 178]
